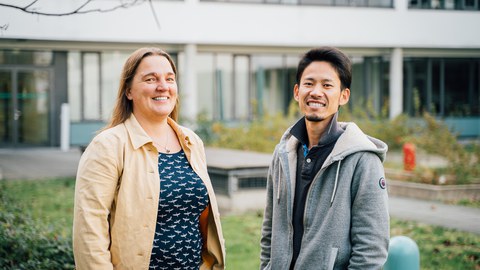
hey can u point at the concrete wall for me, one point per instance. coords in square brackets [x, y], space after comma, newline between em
[193, 22]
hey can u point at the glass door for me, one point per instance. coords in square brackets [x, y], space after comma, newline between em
[24, 107]
[6, 108]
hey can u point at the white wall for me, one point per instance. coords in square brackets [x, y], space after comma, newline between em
[245, 24]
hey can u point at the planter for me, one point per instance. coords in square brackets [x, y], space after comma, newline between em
[434, 192]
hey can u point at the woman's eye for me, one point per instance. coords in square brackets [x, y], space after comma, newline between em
[150, 80]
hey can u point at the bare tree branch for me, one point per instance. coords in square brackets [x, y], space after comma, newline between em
[31, 4]
[154, 14]
[124, 4]
[3, 28]
[78, 10]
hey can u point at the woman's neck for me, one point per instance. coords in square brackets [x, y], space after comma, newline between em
[154, 127]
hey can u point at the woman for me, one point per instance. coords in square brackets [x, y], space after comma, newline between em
[143, 197]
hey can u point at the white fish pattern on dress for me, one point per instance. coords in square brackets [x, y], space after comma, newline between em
[183, 197]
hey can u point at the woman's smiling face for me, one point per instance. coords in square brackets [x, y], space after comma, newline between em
[153, 90]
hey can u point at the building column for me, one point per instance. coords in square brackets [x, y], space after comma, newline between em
[189, 91]
[400, 5]
[396, 83]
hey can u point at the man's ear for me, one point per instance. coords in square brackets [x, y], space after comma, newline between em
[295, 92]
[344, 96]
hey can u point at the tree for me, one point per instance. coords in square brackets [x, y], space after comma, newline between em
[87, 6]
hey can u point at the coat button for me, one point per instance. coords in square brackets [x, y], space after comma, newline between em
[309, 160]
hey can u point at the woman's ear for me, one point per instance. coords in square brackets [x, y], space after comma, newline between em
[128, 94]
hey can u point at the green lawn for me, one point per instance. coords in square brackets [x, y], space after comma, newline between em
[51, 202]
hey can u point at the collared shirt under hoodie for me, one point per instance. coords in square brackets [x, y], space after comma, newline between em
[309, 162]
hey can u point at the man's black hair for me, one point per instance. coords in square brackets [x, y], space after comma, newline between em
[339, 61]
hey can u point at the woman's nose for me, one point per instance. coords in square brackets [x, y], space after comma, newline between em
[161, 84]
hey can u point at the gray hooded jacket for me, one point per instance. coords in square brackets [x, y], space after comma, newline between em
[346, 221]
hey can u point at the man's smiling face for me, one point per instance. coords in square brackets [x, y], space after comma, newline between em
[319, 93]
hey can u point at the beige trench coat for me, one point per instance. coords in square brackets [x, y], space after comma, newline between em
[116, 199]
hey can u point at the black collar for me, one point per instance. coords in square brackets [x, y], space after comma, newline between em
[299, 130]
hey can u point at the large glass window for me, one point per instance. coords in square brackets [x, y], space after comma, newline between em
[208, 98]
[461, 87]
[349, 3]
[74, 86]
[274, 77]
[239, 87]
[17, 57]
[445, 4]
[224, 84]
[369, 83]
[91, 86]
[242, 91]
[93, 80]
[269, 80]
[111, 69]
[445, 87]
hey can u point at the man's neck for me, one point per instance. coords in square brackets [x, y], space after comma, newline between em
[315, 130]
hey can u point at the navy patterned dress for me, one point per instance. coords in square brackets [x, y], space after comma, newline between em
[183, 197]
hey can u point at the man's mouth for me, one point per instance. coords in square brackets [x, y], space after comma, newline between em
[316, 104]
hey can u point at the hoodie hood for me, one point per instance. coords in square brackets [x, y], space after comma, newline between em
[352, 140]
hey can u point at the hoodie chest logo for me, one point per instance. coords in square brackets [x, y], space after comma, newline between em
[382, 183]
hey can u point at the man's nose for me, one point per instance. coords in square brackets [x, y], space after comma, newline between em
[317, 90]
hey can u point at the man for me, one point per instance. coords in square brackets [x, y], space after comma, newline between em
[326, 191]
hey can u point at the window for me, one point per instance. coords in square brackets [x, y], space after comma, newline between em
[252, 183]
[349, 3]
[445, 4]
[369, 87]
[447, 87]
[93, 80]
[18, 57]
[91, 87]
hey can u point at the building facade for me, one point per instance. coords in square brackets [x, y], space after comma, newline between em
[236, 59]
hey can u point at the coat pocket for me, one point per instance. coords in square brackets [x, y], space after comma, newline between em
[332, 258]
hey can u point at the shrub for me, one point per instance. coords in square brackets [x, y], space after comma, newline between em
[26, 244]
[426, 132]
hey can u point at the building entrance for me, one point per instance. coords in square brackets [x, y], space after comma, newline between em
[25, 106]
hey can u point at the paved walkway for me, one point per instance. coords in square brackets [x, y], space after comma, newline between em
[38, 163]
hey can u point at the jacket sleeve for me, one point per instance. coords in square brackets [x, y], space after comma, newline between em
[96, 183]
[370, 218]
[265, 241]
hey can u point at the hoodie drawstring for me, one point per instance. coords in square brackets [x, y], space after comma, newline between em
[336, 183]
[279, 187]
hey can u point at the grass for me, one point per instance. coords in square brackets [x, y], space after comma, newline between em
[51, 202]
